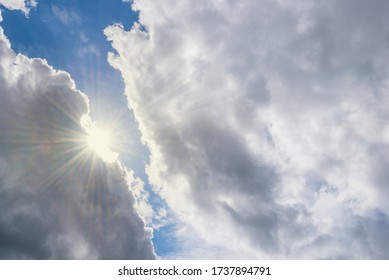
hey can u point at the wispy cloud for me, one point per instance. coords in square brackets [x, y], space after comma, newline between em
[88, 50]
[66, 16]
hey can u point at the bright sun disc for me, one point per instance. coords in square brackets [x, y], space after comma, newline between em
[99, 141]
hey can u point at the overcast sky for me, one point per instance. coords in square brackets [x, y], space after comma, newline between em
[242, 129]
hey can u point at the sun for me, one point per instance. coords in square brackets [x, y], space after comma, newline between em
[100, 141]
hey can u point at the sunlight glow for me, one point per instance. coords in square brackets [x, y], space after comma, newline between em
[99, 140]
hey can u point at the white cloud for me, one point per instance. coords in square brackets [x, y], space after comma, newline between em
[88, 50]
[57, 199]
[266, 121]
[23, 5]
[65, 15]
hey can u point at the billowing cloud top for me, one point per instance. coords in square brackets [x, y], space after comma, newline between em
[266, 121]
[23, 5]
[57, 199]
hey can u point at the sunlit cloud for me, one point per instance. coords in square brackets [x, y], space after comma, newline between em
[256, 129]
[64, 194]
[23, 5]
[265, 121]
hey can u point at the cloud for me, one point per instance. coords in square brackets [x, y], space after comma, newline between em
[265, 120]
[88, 50]
[58, 200]
[23, 5]
[66, 16]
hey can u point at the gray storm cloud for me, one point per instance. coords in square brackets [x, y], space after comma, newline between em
[266, 121]
[58, 200]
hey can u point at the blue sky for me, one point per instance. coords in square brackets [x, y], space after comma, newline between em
[244, 129]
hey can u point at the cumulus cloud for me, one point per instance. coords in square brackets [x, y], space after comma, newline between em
[266, 121]
[58, 200]
[23, 5]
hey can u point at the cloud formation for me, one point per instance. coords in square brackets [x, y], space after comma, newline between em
[58, 200]
[67, 17]
[266, 121]
[23, 5]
